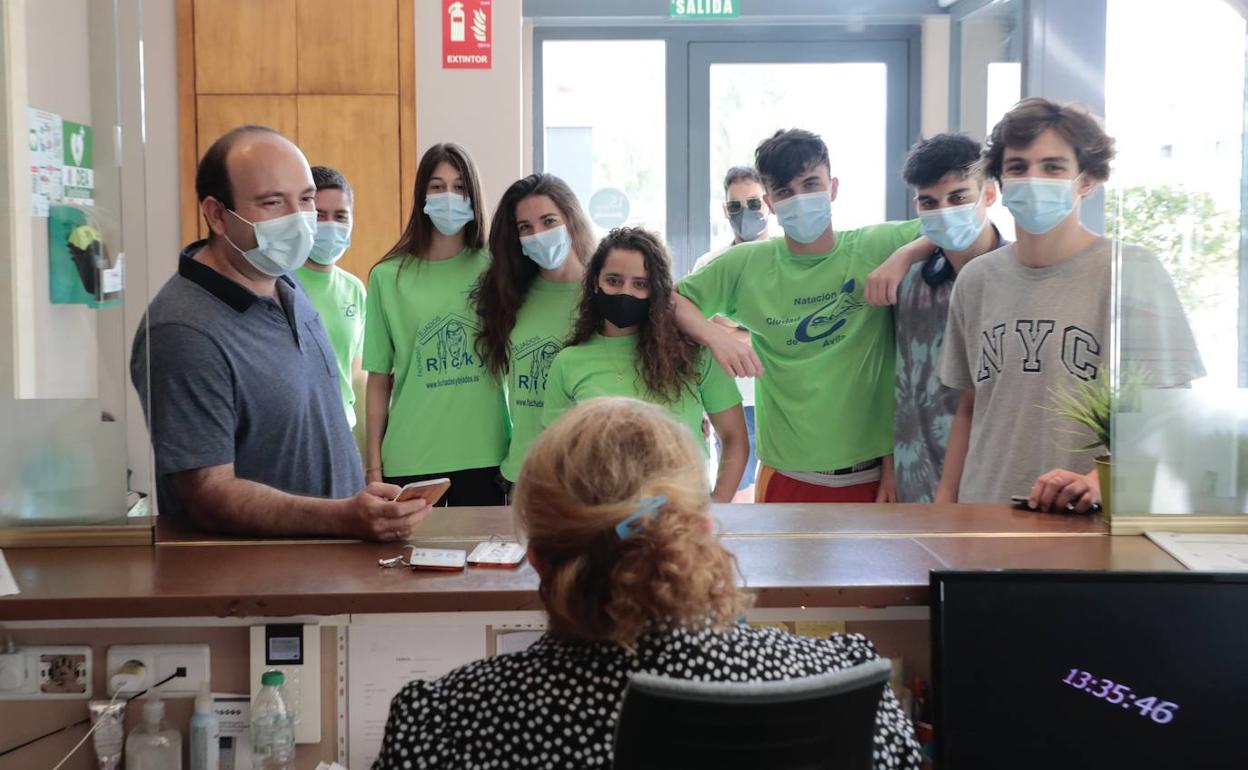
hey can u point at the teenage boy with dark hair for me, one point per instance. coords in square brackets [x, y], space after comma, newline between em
[952, 197]
[337, 295]
[825, 400]
[1034, 317]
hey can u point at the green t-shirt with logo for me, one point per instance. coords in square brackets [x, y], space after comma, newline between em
[825, 400]
[446, 411]
[607, 366]
[338, 297]
[543, 323]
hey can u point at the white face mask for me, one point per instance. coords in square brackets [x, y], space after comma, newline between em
[282, 244]
[331, 242]
[549, 248]
[805, 217]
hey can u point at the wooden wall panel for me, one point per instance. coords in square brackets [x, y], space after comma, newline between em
[245, 46]
[359, 136]
[215, 114]
[407, 106]
[348, 48]
[188, 148]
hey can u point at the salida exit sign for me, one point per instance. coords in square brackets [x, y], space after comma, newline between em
[704, 9]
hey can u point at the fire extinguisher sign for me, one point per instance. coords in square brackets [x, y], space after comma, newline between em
[466, 35]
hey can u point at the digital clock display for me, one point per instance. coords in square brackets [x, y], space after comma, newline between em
[1160, 711]
[1089, 671]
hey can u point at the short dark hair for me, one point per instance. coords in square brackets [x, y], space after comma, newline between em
[790, 153]
[212, 178]
[327, 178]
[1025, 121]
[741, 174]
[931, 159]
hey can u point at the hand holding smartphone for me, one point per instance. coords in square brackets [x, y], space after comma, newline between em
[430, 490]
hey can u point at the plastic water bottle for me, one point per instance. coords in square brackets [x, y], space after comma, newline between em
[272, 729]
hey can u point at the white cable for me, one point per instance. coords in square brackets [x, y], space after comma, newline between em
[94, 727]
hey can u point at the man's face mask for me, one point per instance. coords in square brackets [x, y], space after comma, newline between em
[282, 244]
[747, 218]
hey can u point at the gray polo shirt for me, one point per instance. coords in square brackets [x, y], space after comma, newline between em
[226, 376]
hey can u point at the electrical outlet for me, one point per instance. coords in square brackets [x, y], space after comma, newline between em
[161, 660]
[61, 672]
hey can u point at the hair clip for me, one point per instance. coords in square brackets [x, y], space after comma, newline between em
[633, 524]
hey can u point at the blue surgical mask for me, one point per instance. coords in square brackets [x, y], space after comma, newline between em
[549, 248]
[331, 242]
[449, 212]
[282, 244]
[954, 228]
[805, 217]
[1038, 205]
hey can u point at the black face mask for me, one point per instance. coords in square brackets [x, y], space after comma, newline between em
[623, 310]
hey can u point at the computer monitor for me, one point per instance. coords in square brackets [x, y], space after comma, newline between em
[1105, 670]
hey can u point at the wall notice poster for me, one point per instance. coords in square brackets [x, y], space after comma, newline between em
[46, 159]
[78, 173]
[466, 34]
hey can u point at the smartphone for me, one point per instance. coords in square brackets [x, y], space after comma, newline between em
[436, 559]
[496, 555]
[430, 491]
[1020, 502]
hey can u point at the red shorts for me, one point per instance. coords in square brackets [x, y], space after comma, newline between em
[773, 487]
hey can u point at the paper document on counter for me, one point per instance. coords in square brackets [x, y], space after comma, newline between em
[1205, 552]
[8, 586]
[381, 660]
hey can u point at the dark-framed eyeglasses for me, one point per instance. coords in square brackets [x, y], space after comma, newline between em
[734, 207]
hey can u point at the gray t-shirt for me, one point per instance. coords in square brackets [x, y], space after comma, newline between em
[1017, 333]
[226, 376]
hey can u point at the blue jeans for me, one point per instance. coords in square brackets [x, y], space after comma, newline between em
[751, 465]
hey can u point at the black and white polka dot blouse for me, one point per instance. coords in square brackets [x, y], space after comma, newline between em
[555, 704]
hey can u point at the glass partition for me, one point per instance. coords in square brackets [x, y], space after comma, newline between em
[72, 173]
[1180, 416]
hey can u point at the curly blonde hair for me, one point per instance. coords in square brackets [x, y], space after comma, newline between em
[587, 473]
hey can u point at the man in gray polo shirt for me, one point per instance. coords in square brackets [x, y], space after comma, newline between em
[235, 371]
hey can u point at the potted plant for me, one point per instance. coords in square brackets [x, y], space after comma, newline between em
[1091, 404]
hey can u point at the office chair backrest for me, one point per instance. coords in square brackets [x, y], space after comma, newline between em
[825, 722]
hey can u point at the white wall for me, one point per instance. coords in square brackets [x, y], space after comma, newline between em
[479, 109]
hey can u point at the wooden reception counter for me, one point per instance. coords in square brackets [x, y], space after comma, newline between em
[792, 555]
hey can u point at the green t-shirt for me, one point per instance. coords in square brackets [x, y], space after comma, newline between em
[825, 400]
[543, 323]
[607, 366]
[338, 297]
[446, 412]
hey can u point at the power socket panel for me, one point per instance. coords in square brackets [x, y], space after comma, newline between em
[46, 672]
[161, 660]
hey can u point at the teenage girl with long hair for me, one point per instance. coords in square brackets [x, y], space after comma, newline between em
[626, 343]
[432, 407]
